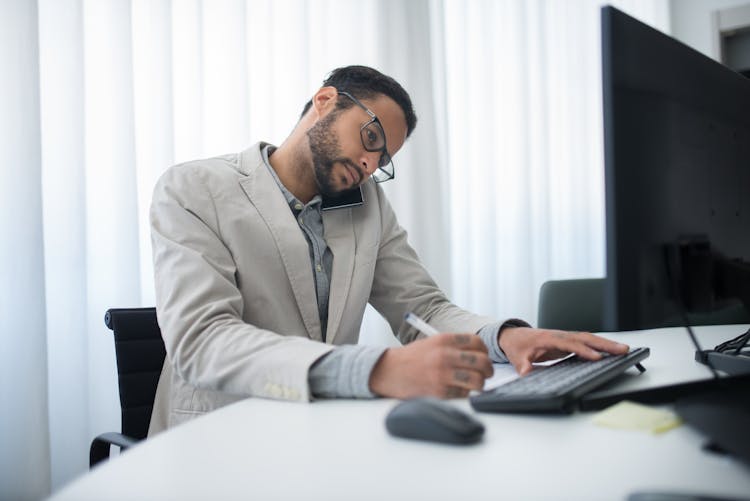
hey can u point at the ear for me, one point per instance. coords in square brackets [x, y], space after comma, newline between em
[324, 101]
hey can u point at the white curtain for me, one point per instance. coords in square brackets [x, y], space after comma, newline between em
[500, 186]
[24, 438]
[524, 129]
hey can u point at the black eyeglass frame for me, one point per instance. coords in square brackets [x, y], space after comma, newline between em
[384, 173]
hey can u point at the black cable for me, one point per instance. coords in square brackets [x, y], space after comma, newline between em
[695, 342]
[743, 341]
[671, 276]
[736, 344]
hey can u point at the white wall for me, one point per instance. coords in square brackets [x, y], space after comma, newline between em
[691, 21]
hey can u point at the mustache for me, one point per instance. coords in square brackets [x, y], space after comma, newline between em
[350, 163]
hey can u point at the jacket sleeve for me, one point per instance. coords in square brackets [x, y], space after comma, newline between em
[200, 306]
[402, 284]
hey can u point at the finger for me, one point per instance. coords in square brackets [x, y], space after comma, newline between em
[455, 392]
[567, 342]
[469, 379]
[464, 378]
[523, 366]
[590, 346]
[472, 360]
[603, 344]
[467, 342]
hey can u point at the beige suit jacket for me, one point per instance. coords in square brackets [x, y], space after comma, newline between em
[235, 296]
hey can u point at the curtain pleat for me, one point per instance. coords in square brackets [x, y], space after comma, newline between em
[500, 187]
[526, 181]
[24, 435]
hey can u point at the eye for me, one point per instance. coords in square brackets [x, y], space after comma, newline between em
[372, 139]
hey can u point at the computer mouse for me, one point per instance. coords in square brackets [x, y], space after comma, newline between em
[434, 420]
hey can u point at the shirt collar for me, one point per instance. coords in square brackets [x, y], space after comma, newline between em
[293, 202]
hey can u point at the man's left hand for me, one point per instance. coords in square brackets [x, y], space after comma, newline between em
[524, 346]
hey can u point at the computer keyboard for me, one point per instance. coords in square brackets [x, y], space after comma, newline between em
[556, 388]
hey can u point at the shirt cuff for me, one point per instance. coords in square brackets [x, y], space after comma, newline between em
[345, 372]
[488, 334]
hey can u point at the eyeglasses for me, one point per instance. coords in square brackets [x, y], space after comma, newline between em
[373, 139]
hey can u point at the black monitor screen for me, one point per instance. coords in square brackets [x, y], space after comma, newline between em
[677, 171]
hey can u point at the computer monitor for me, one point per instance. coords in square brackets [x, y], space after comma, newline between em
[677, 172]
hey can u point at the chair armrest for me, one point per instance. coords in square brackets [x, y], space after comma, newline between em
[100, 446]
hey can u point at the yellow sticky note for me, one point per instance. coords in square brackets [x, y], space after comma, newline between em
[632, 416]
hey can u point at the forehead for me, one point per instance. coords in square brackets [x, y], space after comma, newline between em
[391, 116]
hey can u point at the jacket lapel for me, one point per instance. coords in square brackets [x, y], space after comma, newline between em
[339, 234]
[265, 195]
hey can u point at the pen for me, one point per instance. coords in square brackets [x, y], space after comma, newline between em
[419, 324]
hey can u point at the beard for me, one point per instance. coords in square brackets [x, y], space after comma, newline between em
[326, 152]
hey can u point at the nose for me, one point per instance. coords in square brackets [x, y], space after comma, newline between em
[369, 162]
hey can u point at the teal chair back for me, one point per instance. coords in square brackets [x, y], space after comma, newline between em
[577, 305]
[572, 305]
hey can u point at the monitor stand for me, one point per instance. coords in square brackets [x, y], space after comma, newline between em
[663, 394]
[723, 416]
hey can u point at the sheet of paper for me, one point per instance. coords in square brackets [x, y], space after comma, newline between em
[633, 416]
[503, 373]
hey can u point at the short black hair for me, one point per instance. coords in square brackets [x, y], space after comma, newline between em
[364, 82]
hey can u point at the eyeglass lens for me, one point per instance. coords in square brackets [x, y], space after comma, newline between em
[373, 139]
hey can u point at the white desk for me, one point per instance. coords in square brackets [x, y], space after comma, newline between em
[262, 449]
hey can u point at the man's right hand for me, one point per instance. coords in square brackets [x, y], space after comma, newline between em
[444, 366]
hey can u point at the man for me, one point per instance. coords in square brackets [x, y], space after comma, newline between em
[265, 260]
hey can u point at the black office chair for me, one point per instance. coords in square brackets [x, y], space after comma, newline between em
[140, 354]
[572, 305]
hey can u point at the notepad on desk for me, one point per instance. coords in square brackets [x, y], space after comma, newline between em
[627, 415]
